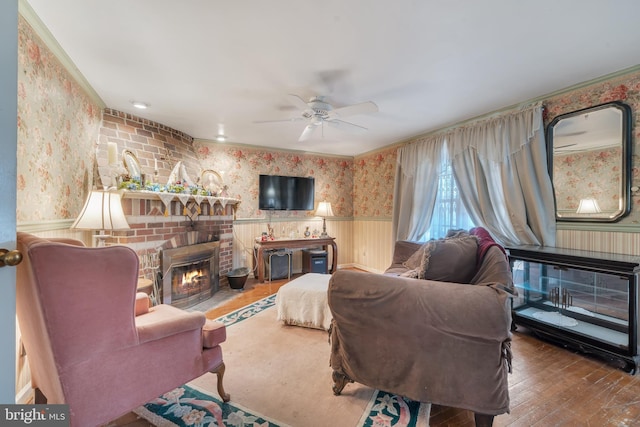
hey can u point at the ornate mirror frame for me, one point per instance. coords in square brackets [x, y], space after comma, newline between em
[131, 163]
[211, 180]
[589, 160]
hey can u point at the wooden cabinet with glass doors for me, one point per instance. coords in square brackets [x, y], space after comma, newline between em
[581, 299]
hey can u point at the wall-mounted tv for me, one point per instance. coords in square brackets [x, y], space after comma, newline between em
[286, 193]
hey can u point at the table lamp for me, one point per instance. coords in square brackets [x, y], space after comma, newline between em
[324, 210]
[588, 206]
[102, 211]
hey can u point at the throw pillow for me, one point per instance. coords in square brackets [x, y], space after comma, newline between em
[412, 274]
[415, 259]
[452, 259]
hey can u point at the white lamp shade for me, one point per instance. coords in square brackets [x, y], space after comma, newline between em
[588, 206]
[324, 209]
[102, 211]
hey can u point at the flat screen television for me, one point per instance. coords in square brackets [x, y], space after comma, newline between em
[286, 193]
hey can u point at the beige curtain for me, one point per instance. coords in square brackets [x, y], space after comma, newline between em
[500, 167]
[417, 170]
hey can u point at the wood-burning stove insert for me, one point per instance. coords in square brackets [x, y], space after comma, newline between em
[190, 274]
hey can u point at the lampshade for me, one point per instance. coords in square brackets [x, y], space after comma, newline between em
[102, 211]
[324, 209]
[588, 206]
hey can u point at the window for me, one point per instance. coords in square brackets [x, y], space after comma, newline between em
[449, 212]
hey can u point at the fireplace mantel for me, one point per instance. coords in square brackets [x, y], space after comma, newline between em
[155, 195]
[182, 198]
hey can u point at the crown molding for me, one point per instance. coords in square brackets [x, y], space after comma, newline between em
[265, 148]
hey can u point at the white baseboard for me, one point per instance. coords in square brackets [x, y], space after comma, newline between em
[365, 268]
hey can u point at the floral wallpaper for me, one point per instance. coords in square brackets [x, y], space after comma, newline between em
[241, 166]
[373, 184]
[360, 187]
[57, 131]
[588, 175]
[625, 88]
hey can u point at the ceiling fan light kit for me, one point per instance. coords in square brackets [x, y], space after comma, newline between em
[318, 111]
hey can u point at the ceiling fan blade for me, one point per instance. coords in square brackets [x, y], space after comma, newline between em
[342, 125]
[299, 102]
[306, 133]
[350, 110]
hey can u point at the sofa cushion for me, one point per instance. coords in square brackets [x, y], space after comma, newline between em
[452, 259]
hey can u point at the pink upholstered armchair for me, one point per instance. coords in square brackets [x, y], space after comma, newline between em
[95, 344]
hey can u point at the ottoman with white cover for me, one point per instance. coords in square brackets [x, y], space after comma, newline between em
[303, 301]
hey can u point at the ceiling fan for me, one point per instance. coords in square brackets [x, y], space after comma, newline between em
[318, 111]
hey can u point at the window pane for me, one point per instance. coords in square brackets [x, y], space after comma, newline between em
[449, 212]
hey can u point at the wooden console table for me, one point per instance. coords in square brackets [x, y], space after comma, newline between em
[260, 246]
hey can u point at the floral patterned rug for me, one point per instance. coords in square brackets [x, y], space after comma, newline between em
[191, 406]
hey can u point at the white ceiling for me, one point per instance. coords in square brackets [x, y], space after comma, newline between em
[206, 64]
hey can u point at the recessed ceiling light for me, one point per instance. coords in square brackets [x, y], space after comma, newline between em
[221, 138]
[140, 105]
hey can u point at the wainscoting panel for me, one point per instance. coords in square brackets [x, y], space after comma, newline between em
[56, 229]
[372, 245]
[600, 241]
[344, 232]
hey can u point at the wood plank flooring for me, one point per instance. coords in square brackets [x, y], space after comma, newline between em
[253, 291]
[549, 386]
[554, 386]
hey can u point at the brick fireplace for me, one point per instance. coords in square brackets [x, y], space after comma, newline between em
[156, 228]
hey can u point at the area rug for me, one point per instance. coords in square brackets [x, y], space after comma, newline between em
[278, 375]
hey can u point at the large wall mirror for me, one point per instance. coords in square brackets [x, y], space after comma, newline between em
[590, 163]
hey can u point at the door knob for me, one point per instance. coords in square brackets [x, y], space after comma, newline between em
[10, 257]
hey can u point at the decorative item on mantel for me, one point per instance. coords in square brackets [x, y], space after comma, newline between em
[114, 170]
[324, 210]
[191, 203]
[179, 187]
[179, 176]
[102, 211]
[112, 155]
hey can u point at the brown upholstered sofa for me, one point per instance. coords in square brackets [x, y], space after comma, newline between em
[424, 339]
